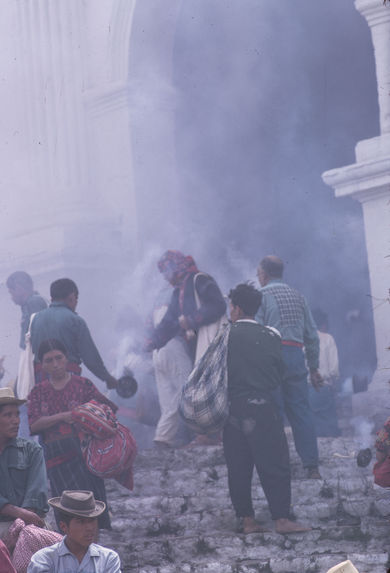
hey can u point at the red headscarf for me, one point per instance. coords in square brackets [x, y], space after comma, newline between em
[178, 266]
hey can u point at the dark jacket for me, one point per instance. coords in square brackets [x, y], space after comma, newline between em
[212, 307]
[255, 364]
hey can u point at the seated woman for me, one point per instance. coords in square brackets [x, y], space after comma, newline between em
[50, 415]
[382, 466]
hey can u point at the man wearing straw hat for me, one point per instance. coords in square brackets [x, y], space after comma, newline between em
[23, 481]
[77, 514]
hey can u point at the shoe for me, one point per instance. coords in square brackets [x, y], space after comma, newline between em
[313, 473]
[249, 525]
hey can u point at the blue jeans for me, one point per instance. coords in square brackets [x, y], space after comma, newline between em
[323, 406]
[293, 398]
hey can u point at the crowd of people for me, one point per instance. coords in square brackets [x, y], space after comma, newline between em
[273, 345]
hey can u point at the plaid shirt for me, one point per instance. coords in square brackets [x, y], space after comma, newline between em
[286, 309]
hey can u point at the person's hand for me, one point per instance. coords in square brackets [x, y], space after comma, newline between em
[316, 379]
[67, 417]
[30, 517]
[183, 322]
[111, 382]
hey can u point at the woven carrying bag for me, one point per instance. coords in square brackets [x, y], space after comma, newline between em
[25, 540]
[95, 419]
[204, 402]
[112, 457]
[26, 376]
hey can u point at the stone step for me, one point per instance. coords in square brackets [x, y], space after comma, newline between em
[179, 516]
[262, 552]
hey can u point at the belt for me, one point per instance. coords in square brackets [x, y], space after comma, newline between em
[292, 343]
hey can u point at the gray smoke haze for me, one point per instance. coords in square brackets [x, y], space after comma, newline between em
[270, 95]
[265, 96]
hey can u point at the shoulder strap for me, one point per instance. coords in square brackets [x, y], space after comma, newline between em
[197, 299]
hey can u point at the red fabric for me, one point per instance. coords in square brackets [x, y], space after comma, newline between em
[25, 540]
[5, 560]
[44, 400]
[382, 443]
[58, 460]
[381, 472]
[292, 343]
[179, 265]
[95, 419]
[112, 457]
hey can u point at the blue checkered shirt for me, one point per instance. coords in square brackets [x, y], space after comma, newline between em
[286, 309]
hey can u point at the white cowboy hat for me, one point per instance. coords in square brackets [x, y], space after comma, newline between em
[8, 397]
[344, 567]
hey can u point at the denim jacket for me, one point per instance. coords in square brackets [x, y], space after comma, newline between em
[23, 480]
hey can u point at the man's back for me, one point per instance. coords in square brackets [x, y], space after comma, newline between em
[255, 364]
[286, 309]
[60, 323]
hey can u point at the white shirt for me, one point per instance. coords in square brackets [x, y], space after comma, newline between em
[58, 559]
[329, 361]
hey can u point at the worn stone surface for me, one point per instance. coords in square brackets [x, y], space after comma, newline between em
[179, 517]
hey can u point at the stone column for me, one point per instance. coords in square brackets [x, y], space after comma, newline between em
[368, 181]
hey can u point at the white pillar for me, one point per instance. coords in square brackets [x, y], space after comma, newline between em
[368, 181]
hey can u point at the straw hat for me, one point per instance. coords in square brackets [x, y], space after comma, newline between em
[344, 567]
[8, 397]
[78, 503]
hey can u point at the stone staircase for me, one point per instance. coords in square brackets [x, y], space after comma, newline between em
[179, 517]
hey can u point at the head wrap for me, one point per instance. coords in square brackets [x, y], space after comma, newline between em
[179, 266]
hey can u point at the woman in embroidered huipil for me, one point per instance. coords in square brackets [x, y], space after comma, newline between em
[50, 415]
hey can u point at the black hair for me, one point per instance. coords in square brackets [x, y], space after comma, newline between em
[3, 406]
[61, 288]
[62, 516]
[48, 345]
[247, 297]
[273, 266]
[20, 278]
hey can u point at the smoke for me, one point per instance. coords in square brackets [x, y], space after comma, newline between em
[264, 97]
[270, 95]
[267, 97]
[363, 432]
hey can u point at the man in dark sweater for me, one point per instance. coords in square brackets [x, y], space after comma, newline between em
[61, 322]
[254, 434]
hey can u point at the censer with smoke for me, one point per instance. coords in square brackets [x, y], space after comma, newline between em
[127, 384]
[364, 457]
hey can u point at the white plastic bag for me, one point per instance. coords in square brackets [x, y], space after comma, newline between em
[26, 375]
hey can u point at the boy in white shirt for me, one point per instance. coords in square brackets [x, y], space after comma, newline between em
[78, 512]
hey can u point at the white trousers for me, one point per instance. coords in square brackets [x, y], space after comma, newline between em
[172, 366]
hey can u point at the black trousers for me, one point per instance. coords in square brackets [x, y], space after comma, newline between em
[254, 437]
